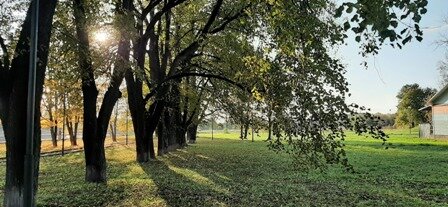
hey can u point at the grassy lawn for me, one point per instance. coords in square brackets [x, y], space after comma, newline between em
[230, 172]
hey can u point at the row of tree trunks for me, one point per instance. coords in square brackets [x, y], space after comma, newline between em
[13, 101]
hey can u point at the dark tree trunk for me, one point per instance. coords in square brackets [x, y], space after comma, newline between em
[246, 129]
[144, 121]
[151, 119]
[269, 125]
[54, 135]
[53, 129]
[71, 127]
[241, 131]
[13, 101]
[93, 146]
[168, 133]
[137, 111]
[95, 128]
[162, 142]
[181, 136]
[192, 132]
[74, 141]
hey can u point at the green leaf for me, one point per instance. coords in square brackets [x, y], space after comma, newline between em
[346, 26]
[406, 40]
[394, 23]
[339, 11]
[423, 11]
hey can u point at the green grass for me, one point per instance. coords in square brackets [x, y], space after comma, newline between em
[230, 172]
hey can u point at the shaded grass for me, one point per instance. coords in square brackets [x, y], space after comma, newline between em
[230, 172]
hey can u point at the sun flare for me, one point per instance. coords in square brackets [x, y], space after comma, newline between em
[101, 36]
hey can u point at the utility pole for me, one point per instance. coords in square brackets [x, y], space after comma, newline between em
[28, 185]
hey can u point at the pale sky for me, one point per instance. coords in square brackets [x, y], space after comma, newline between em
[417, 62]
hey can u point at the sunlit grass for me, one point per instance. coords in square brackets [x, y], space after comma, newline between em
[227, 171]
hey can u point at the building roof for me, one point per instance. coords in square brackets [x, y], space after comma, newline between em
[437, 95]
[425, 108]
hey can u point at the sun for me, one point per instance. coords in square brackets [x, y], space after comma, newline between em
[101, 36]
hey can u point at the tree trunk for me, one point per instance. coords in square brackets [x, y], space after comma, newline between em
[168, 132]
[241, 131]
[137, 110]
[113, 132]
[192, 132]
[74, 141]
[54, 135]
[113, 125]
[181, 137]
[246, 129]
[95, 128]
[269, 125]
[93, 146]
[53, 129]
[162, 142]
[71, 130]
[13, 101]
[144, 121]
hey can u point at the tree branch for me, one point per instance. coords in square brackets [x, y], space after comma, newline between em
[5, 63]
[152, 4]
[212, 17]
[188, 74]
[154, 19]
[229, 19]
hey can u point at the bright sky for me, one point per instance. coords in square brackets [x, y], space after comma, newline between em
[417, 62]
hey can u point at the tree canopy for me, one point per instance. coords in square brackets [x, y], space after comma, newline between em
[411, 98]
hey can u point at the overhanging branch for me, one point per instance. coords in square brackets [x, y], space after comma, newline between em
[189, 74]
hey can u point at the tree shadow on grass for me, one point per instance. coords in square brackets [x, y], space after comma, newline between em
[185, 187]
[61, 183]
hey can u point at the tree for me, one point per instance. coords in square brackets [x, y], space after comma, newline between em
[51, 103]
[443, 71]
[443, 64]
[173, 41]
[95, 126]
[62, 78]
[13, 93]
[296, 37]
[410, 99]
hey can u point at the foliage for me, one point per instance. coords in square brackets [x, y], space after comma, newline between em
[443, 71]
[380, 22]
[388, 120]
[443, 64]
[411, 98]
